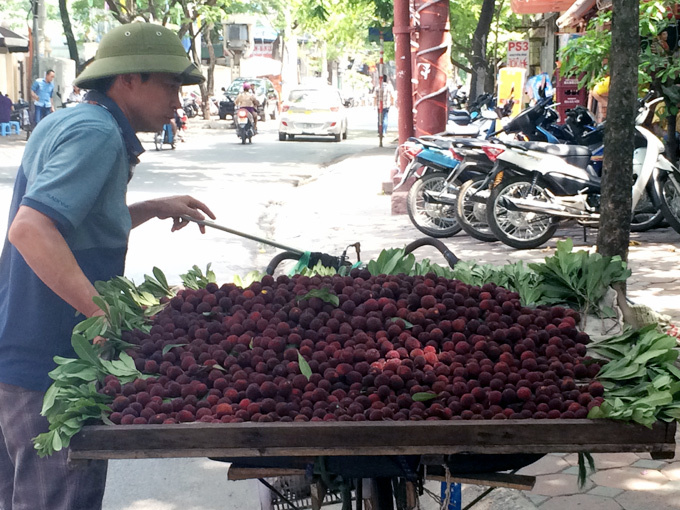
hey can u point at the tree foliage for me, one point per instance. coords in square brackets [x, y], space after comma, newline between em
[588, 55]
[464, 18]
[658, 71]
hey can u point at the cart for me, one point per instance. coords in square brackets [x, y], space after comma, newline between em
[470, 451]
[391, 457]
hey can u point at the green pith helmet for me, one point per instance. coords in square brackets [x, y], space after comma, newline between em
[139, 48]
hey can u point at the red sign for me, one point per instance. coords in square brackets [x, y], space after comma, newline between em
[263, 50]
[518, 54]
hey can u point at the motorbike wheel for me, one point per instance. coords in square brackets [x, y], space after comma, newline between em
[471, 215]
[519, 229]
[670, 199]
[646, 216]
[282, 137]
[436, 220]
[243, 139]
[158, 140]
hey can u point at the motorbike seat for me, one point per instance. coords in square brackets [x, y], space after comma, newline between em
[457, 130]
[459, 113]
[576, 155]
[434, 143]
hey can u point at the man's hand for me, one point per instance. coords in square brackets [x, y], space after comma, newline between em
[170, 207]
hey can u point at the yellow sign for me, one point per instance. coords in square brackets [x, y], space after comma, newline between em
[511, 86]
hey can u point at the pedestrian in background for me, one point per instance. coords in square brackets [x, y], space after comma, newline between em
[69, 225]
[386, 94]
[5, 108]
[76, 95]
[41, 92]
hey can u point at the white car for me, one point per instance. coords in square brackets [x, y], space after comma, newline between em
[313, 111]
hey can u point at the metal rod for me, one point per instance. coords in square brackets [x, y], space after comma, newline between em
[275, 491]
[478, 498]
[242, 234]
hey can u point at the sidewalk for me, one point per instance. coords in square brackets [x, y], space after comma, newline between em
[346, 205]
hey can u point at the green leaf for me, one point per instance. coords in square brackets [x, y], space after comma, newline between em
[84, 349]
[324, 294]
[168, 347]
[649, 355]
[407, 324]
[49, 398]
[56, 442]
[423, 396]
[304, 366]
[160, 277]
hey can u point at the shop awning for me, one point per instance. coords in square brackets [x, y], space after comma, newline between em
[14, 42]
[539, 6]
[575, 13]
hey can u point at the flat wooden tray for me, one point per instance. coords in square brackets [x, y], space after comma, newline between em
[370, 438]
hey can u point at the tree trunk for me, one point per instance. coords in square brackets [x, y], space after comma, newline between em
[617, 172]
[479, 38]
[68, 32]
[210, 82]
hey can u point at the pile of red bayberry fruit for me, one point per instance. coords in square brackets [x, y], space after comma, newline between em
[387, 348]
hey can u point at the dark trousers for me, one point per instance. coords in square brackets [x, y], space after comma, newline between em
[28, 482]
[41, 112]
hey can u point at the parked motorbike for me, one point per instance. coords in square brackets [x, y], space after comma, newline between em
[480, 120]
[541, 184]
[535, 123]
[430, 199]
[441, 164]
[21, 114]
[190, 107]
[244, 125]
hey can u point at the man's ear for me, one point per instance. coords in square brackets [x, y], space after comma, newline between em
[129, 80]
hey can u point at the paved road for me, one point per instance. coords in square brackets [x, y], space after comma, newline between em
[245, 186]
[242, 184]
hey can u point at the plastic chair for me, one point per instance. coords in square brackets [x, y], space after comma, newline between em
[6, 128]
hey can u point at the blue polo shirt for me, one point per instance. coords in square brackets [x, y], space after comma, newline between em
[44, 92]
[75, 169]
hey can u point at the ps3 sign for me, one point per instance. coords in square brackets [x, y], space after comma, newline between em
[518, 54]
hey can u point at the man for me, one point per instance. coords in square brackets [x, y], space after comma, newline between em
[68, 227]
[41, 92]
[246, 99]
[5, 108]
[386, 94]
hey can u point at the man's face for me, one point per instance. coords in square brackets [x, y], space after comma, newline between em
[154, 101]
[49, 77]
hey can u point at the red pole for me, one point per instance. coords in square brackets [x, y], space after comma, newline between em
[402, 55]
[380, 91]
[431, 65]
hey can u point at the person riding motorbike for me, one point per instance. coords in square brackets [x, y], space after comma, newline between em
[246, 99]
